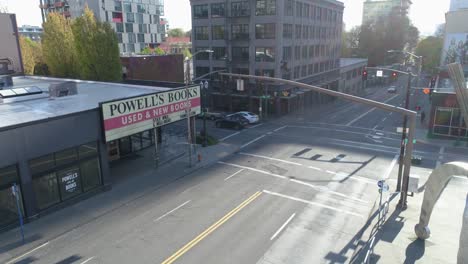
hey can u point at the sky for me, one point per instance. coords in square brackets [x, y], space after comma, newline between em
[424, 15]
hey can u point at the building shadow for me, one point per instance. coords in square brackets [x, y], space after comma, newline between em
[19, 243]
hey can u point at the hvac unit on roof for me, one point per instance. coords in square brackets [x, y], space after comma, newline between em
[62, 89]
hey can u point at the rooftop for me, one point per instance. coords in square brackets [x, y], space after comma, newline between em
[25, 109]
[350, 61]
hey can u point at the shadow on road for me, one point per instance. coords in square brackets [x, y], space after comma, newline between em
[19, 243]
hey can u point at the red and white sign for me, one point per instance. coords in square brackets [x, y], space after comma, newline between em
[133, 115]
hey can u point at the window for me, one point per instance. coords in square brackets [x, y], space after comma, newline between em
[306, 10]
[117, 17]
[297, 70]
[141, 38]
[297, 53]
[119, 38]
[264, 54]
[240, 31]
[298, 31]
[131, 38]
[305, 32]
[8, 210]
[142, 28]
[130, 17]
[240, 53]
[118, 6]
[200, 11]
[318, 13]
[265, 31]
[119, 27]
[65, 174]
[288, 8]
[141, 8]
[127, 7]
[311, 51]
[263, 72]
[310, 69]
[139, 18]
[217, 32]
[217, 10]
[305, 49]
[219, 53]
[312, 13]
[317, 50]
[202, 55]
[240, 9]
[200, 71]
[298, 9]
[287, 53]
[288, 31]
[201, 33]
[316, 68]
[304, 70]
[265, 7]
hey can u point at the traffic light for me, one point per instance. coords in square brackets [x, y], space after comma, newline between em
[426, 91]
[364, 75]
[394, 75]
[433, 82]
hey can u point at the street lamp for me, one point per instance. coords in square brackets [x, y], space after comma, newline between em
[187, 82]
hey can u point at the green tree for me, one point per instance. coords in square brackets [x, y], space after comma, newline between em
[159, 51]
[176, 32]
[146, 51]
[431, 49]
[350, 42]
[27, 55]
[186, 53]
[59, 47]
[97, 48]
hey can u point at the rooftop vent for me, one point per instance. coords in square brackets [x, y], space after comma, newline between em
[63, 89]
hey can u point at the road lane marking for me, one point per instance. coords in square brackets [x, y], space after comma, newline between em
[379, 133]
[252, 141]
[385, 118]
[441, 153]
[312, 203]
[253, 169]
[316, 187]
[224, 138]
[375, 127]
[255, 126]
[361, 116]
[269, 158]
[88, 260]
[314, 168]
[283, 226]
[171, 211]
[325, 189]
[210, 229]
[390, 168]
[234, 174]
[278, 129]
[27, 253]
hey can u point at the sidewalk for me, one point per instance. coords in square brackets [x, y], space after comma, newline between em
[396, 241]
[133, 179]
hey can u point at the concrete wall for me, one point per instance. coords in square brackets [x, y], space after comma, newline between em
[21, 144]
[9, 41]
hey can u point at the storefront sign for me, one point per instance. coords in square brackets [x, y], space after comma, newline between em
[69, 181]
[133, 115]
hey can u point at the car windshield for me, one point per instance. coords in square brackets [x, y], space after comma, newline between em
[240, 131]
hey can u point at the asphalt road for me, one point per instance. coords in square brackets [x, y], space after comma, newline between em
[298, 191]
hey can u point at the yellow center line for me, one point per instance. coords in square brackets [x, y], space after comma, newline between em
[210, 229]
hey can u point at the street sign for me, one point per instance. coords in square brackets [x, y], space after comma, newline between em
[400, 130]
[205, 85]
[379, 74]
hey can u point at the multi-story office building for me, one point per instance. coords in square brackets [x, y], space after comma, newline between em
[373, 9]
[138, 23]
[458, 4]
[32, 32]
[295, 40]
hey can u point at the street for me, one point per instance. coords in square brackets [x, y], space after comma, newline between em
[298, 190]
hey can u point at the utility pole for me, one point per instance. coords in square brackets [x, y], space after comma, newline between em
[403, 134]
[187, 111]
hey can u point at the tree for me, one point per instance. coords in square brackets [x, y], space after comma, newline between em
[97, 48]
[440, 31]
[27, 55]
[430, 48]
[146, 51]
[188, 33]
[186, 53]
[159, 51]
[350, 42]
[59, 46]
[176, 32]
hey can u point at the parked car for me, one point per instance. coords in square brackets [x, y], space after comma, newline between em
[251, 117]
[232, 121]
[211, 115]
[392, 89]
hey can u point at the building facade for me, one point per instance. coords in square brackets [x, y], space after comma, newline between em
[373, 9]
[294, 40]
[176, 45]
[32, 32]
[458, 4]
[351, 70]
[10, 52]
[455, 47]
[138, 23]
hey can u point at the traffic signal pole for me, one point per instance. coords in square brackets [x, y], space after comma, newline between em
[411, 116]
[403, 134]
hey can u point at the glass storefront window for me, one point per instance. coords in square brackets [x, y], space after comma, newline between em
[46, 190]
[90, 175]
[88, 150]
[66, 156]
[136, 142]
[8, 209]
[42, 164]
